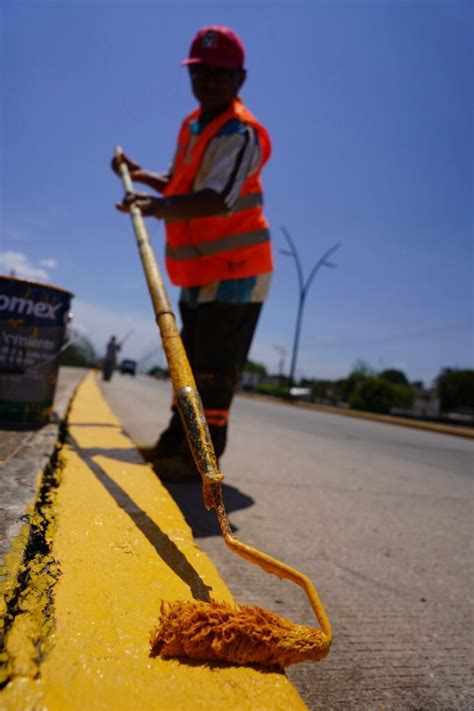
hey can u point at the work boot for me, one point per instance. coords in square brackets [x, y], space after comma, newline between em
[170, 443]
[179, 469]
[148, 451]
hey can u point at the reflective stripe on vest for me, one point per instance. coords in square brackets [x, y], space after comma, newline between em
[223, 244]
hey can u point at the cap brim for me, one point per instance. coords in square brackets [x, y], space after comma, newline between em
[185, 62]
[212, 63]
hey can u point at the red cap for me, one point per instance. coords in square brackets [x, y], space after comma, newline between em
[218, 46]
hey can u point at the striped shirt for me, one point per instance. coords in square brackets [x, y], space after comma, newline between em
[229, 159]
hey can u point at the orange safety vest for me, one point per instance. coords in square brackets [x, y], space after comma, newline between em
[226, 246]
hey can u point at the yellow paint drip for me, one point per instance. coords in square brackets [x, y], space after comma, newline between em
[123, 548]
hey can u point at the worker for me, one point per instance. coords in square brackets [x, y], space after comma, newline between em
[110, 360]
[217, 238]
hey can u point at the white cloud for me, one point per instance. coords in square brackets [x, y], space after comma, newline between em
[19, 263]
[49, 263]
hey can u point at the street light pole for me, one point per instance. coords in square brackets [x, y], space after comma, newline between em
[303, 288]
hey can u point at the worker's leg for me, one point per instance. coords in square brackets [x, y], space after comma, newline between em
[222, 341]
[217, 337]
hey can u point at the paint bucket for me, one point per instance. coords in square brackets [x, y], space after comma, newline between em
[33, 320]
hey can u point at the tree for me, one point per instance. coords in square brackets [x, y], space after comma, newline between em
[360, 372]
[372, 394]
[80, 353]
[375, 394]
[455, 389]
[404, 396]
[397, 377]
[252, 367]
[361, 366]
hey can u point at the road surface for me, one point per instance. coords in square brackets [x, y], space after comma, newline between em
[378, 516]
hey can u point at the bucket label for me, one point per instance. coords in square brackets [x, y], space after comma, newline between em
[32, 328]
[16, 305]
[26, 353]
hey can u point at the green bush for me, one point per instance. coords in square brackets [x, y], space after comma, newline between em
[269, 389]
[396, 377]
[404, 396]
[252, 367]
[456, 389]
[373, 394]
[351, 384]
[76, 356]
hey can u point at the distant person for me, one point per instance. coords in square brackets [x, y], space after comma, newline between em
[217, 238]
[110, 360]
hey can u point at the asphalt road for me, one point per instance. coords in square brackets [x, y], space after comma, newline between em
[378, 516]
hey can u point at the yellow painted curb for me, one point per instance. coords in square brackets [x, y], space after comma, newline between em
[9, 572]
[122, 546]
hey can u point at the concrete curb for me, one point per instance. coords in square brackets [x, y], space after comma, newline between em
[21, 477]
[21, 471]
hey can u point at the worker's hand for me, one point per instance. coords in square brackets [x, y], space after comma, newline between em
[133, 168]
[148, 205]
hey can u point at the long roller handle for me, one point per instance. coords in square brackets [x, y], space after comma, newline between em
[187, 396]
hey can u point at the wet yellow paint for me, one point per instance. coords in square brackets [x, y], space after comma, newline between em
[123, 547]
[9, 572]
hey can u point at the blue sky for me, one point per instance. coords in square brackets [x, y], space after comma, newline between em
[370, 109]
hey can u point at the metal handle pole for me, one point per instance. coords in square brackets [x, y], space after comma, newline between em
[187, 396]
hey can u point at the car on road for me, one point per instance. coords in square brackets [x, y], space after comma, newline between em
[128, 367]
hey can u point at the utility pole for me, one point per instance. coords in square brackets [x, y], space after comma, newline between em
[281, 364]
[303, 288]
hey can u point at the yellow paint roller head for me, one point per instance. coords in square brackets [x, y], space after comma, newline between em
[241, 634]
